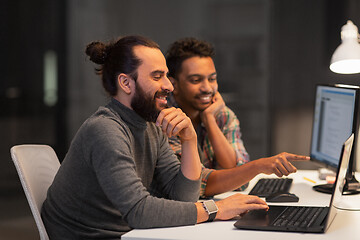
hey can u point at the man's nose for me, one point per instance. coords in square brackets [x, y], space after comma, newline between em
[167, 85]
[206, 86]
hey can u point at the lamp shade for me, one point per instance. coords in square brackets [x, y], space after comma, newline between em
[346, 58]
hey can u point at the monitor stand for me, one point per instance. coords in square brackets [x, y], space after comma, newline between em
[324, 188]
[350, 199]
[352, 186]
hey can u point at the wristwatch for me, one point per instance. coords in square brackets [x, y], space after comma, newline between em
[211, 209]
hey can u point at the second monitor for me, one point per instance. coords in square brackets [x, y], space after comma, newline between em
[335, 118]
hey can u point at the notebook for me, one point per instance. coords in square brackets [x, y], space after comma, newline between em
[313, 219]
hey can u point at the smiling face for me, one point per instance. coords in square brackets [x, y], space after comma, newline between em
[196, 84]
[152, 85]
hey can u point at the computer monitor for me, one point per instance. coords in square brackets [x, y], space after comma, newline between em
[336, 116]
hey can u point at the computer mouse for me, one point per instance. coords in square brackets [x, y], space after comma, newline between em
[282, 197]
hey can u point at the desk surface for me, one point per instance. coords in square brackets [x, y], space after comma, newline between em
[345, 225]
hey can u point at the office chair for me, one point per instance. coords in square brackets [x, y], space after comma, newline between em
[36, 166]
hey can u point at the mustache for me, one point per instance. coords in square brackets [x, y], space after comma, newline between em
[162, 93]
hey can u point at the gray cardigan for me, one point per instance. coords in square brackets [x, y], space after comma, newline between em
[118, 174]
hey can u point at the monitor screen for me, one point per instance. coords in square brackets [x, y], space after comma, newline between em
[334, 117]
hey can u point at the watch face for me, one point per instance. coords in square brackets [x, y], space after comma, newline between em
[210, 206]
[211, 209]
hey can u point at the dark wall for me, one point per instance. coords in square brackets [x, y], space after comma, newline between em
[29, 30]
[304, 36]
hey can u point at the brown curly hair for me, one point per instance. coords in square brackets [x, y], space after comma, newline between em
[186, 48]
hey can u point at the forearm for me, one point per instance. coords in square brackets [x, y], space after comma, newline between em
[223, 150]
[225, 180]
[160, 212]
[190, 161]
[174, 122]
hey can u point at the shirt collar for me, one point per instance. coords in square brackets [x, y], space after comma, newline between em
[128, 115]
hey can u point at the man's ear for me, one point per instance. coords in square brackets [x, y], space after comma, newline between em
[174, 82]
[124, 83]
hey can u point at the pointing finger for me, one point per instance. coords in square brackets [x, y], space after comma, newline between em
[290, 156]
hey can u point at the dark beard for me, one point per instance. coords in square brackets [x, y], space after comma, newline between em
[145, 105]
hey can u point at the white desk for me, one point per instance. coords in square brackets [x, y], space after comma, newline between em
[346, 224]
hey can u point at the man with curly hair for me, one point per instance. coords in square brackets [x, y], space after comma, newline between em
[194, 77]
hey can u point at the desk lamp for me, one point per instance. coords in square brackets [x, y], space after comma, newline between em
[346, 58]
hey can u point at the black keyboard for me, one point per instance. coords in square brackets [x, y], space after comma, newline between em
[266, 186]
[299, 216]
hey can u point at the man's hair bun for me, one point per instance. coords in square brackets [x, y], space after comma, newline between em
[97, 52]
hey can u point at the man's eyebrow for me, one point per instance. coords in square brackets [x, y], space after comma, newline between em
[158, 72]
[200, 75]
[195, 75]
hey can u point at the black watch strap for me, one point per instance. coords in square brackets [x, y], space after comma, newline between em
[211, 209]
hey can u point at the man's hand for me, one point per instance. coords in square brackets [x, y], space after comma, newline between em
[230, 207]
[238, 204]
[279, 164]
[217, 104]
[173, 121]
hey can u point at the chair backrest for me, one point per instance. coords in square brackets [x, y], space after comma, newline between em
[36, 166]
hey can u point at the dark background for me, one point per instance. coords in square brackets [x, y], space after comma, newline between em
[270, 55]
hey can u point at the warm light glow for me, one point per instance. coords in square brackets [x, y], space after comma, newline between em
[346, 86]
